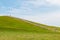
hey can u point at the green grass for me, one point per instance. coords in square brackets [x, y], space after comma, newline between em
[12, 28]
[19, 24]
[13, 35]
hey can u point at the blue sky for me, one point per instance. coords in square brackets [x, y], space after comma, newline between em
[42, 11]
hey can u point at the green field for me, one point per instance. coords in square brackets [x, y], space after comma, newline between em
[12, 28]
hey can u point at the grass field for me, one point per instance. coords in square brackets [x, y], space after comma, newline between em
[18, 29]
[18, 35]
[12, 35]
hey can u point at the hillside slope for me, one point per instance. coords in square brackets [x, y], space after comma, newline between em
[12, 23]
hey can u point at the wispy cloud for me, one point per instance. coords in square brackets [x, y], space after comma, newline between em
[54, 2]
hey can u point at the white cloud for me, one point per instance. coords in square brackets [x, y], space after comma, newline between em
[38, 3]
[48, 18]
[55, 2]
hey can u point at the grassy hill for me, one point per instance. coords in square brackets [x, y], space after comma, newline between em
[12, 28]
[20, 24]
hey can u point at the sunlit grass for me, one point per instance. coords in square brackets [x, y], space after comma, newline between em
[18, 29]
[5, 35]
